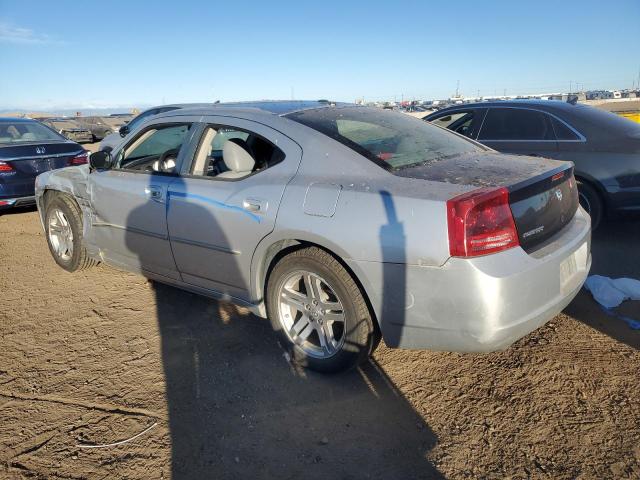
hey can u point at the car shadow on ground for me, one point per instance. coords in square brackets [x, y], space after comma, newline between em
[237, 407]
[614, 251]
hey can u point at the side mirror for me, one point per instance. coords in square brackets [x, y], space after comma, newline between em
[124, 130]
[100, 160]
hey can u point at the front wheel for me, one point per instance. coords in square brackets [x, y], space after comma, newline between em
[63, 228]
[319, 311]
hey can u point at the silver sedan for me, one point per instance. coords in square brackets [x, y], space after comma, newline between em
[341, 224]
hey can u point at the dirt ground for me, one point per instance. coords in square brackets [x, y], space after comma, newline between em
[100, 356]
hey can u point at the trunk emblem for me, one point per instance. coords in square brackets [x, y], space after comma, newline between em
[40, 150]
[559, 194]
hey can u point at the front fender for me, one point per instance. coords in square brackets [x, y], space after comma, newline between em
[70, 180]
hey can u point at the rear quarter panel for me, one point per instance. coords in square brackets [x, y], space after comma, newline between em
[343, 202]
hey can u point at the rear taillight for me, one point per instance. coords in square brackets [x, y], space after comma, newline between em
[5, 167]
[79, 159]
[480, 222]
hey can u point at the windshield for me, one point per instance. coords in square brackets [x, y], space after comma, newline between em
[392, 140]
[17, 132]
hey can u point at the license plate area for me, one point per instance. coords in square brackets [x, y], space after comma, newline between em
[42, 165]
[569, 268]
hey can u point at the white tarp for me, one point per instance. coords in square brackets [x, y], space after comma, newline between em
[611, 292]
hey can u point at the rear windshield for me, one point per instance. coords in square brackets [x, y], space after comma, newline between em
[602, 119]
[392, 140]
[18, 132]
[63, 124]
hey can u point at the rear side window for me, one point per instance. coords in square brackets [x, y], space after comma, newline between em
[516, 124]
[562, 131]
[211, 161]
[390, 139]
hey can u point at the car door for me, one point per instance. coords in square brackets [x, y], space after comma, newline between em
[215, 221]
[129, 200]
[520, 131]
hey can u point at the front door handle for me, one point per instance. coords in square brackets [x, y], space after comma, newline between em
[154, 192]
[255, 205]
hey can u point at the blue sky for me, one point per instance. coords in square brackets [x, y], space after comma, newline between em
[64, 54]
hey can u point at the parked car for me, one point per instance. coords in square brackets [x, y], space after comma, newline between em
[97, 126]
[604, 147]
[114, 139]
[335, 221]
[28, 148]
[70, 129]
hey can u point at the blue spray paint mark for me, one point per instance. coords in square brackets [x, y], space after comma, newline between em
[210, 201]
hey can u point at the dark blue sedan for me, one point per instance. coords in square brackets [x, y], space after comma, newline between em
[604, 147]
[28, 148]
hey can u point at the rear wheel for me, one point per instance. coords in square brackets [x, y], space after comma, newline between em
[63, 228]
[591, 202]
[319, 311]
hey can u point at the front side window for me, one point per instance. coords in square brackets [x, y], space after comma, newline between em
[515, 124]
[20, 132]
[448, 120]
[231, 153]
[390, 139]
[155, 150]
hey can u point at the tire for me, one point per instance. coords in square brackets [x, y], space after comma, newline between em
[590, 200]
[63, 230]
[300, 318]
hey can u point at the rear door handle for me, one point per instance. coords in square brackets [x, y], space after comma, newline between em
[154, 192]
[256, 205]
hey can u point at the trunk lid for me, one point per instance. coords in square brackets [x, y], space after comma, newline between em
[543, 195]
[543, 205]
[31, 159]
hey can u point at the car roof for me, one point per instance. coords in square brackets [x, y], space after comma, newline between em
[274, 107]
[553, 104]
[16, 119]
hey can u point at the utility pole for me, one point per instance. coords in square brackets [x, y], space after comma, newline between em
[570, 85]
[458, 89]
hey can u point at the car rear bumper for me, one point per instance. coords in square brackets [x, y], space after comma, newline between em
[6, 203]
[481, 304]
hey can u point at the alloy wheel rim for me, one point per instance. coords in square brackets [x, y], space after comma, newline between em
[311, 314]
[60, 234]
